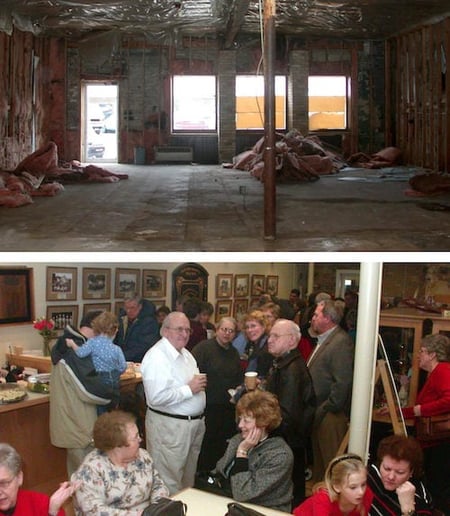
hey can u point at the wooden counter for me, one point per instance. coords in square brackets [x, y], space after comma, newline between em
[24, 425]
[42, 364]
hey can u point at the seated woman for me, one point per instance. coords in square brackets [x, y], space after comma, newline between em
[342, 492]
[17, 501]
[395, 483]
[257, 462]
[118, 475]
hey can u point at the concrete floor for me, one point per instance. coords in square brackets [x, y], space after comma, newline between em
[202, 208]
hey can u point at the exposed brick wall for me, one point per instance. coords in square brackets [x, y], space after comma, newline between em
[227, 105]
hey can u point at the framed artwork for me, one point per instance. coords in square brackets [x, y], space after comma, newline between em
[96, 283]
[118, 307]
[61, 284]
[104, 307]
[154, 283]
[223, 309]
[159, 302]
[240, 307]
[127, 281]
[241, 285]
[258, 281]
[189, 280]
[224, 285]
[16, 299]
[63, 315]
[272, 285]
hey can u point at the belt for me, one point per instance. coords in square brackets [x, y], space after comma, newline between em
[176, 416]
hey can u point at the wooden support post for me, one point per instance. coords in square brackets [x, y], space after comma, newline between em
[269, 121]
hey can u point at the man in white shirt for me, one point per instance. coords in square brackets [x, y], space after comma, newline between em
[176, 401]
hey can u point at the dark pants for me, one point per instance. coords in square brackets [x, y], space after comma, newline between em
[112, 379]
[298, 475]
[220, 426]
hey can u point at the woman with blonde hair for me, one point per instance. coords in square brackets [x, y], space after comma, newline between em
[343, 491]
[257, 327]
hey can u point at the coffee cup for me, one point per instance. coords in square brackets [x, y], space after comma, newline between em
[251, 380]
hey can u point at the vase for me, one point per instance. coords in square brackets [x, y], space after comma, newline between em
[47, 345]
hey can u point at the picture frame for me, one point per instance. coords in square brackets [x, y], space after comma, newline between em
[16, 301]
[223, 309]
[63, 315]
[61, 284]
[240, 307]
[154, 283]
[104, 307]
[241, 285]
[158, 303]
[96, 283]
[118, 307]
[224, 285]
[272, 285]
[127, 281]
[258, 284]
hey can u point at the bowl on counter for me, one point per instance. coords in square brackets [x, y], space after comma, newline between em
[11, 392]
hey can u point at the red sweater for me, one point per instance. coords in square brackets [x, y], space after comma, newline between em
[319, 504]
[30, 503]
[434, 397]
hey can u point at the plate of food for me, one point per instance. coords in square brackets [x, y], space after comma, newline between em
[11, 393]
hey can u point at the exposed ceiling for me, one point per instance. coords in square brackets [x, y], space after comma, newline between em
[224, 20]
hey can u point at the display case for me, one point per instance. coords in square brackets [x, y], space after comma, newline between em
[401, 330]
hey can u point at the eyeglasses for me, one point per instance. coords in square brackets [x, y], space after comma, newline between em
[4, 484]
[137, 437]
[276, 336]
[180, 330]
[227, 330]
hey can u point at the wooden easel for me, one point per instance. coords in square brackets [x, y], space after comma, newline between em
[399, 427]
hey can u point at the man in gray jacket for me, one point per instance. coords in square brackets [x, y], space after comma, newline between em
[331, 369]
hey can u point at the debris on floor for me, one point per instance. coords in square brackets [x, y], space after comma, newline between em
[297, 158]
[40, 174]
[386, 157]
[433, 183]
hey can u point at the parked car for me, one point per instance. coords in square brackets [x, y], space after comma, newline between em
[95, 150]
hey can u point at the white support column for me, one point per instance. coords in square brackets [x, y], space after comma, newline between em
[365, 358]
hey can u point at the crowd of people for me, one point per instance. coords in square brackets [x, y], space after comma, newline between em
[205, 426]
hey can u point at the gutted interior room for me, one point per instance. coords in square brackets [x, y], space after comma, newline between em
[191, 121]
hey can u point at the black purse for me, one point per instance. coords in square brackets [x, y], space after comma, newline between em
[236, 509]
[166, 507]
[213, 483]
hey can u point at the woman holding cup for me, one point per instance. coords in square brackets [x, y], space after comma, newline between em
[219, 360]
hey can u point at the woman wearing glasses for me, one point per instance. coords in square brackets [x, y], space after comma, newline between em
[17, 501]
[220, 361]
[118, 475]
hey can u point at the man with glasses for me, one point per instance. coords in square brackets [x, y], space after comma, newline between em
[290, 381]
[176, 401]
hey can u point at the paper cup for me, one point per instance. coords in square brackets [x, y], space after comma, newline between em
[251, 380]
[18, 350]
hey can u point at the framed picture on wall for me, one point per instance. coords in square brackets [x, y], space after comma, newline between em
[240, 307]
[16, 299]
[96, 283]
[118, 308]
[258, 284]
[154, 283]
[63, 315]
[104, 307]
[224, 285]
[223, 309]
[159, 303]
[272, 285]
[127, 281]
[61, 284]
[241, 285]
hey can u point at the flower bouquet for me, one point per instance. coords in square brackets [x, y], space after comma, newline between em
[46, 328]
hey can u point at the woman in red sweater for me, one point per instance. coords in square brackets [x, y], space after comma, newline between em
[15, 501]
[433, 400]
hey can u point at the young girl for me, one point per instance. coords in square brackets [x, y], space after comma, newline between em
[343, 492]
[108, 358]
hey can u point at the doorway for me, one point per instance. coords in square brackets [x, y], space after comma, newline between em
[346, 279]
[99, 122]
